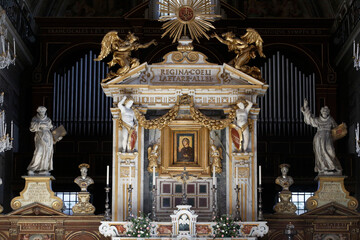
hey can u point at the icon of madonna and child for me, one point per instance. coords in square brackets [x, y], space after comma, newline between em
[185, 148]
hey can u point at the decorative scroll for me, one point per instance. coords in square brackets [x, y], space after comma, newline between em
[165, 120]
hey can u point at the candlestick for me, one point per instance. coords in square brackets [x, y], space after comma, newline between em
[237, 215]
[107, 175]
[214, 203]
[214, 178]
[154, 203]
[153, 175]
[107, 215]
[259, 174]
[129, 202]
[260, 213]
[357, 51]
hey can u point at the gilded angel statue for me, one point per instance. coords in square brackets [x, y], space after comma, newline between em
[121, 50]
[153, 156]
[245, 49]
[216, 155]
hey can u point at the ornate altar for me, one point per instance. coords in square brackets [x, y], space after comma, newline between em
[171, 100]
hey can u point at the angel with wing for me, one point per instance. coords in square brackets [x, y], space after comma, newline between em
[245, 49]
[153, 156]
[121, 50]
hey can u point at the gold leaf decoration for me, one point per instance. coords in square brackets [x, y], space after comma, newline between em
[182, 16]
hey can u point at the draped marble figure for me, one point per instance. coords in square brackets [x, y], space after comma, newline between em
[42, 161]
[128, 124]
[326, 162]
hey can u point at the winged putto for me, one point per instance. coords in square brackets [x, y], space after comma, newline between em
[245, 49]
[121, 50]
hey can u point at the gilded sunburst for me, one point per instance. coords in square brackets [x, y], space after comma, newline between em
[182, 16]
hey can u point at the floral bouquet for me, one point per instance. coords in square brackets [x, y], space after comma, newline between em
[140, 227]
[225, 227]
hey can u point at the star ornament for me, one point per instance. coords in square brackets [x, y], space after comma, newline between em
[182, 16]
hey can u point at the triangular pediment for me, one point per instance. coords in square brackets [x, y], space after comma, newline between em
[36, 209]
[185, 69]
[331, 209]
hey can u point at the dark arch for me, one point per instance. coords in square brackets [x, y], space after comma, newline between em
[83, 235]
[68, 53]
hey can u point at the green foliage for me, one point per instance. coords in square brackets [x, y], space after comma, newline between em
[225, 227]
[140, 227]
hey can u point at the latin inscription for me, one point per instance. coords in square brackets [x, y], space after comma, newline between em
[186, 76]
[36, 226]
[332, 192]
[333, 226]
[37, 192]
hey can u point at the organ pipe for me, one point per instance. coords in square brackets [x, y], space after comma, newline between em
[280, 107]
[79, 102]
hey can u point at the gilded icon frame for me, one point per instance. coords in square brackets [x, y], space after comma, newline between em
[183, 154]
[172, 138]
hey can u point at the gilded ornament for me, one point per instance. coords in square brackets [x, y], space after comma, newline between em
[83, 206]
[153, 155]
[121, 50]
[196, 115]
[245, 49]
[216, 156]
[212, 124]
[193, 16]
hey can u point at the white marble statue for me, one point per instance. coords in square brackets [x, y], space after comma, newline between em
[129, 123]
[242, 122]
[42, 161]
[326, 162]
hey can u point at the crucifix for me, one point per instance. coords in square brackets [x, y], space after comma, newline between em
[184, 177]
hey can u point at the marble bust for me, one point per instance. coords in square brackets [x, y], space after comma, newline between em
[84, 180]
[284, 180]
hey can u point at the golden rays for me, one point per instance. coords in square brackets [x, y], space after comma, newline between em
[182, 16]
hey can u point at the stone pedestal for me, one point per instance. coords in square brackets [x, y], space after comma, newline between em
[83, 207]
[285, 206]
[37, 190]
[331, 189]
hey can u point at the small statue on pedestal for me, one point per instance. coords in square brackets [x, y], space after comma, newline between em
[285, 206]
[128, 125]
[83, 207]
[326, 162]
